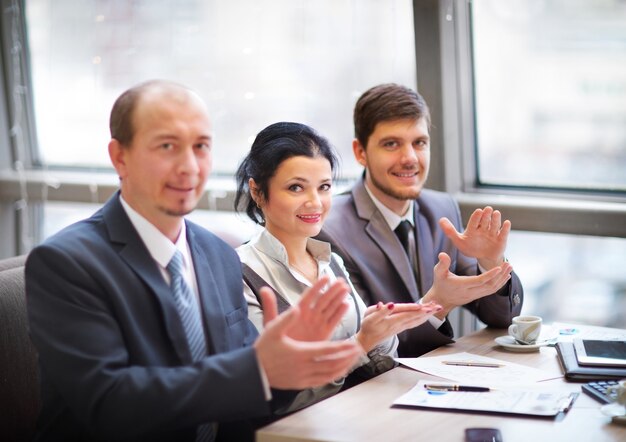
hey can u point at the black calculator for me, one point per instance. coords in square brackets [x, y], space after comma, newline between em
[597, 390]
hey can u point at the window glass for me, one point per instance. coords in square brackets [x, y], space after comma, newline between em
[573, 278]
[254, 62]
[550, 92]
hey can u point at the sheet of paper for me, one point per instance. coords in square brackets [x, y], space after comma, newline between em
[508, 373]
[567, 332]
[507, 400]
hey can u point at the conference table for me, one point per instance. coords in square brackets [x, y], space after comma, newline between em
[365, 412]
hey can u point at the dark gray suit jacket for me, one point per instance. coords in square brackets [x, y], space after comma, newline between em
[113, 357]
[380, 269]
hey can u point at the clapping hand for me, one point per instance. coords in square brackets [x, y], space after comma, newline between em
[320, 312]
[484, 238]
[293, 364]
[382, 321]
[450, 290]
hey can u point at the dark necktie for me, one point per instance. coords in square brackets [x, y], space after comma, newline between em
[402, 232]
[190, 317]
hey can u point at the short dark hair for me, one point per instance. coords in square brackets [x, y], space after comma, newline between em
[387, 102]
[121, 119]
[273, 145]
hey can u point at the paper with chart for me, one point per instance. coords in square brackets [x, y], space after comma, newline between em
[567, 332]
[506, 373]
[537, 402]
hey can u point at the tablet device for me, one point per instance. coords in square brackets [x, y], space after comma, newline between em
[603, 353]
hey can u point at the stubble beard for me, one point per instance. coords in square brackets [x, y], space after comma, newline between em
[408, 194]
[179, 212]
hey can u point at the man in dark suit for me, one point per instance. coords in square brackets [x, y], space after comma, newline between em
[432, 260]
[134, 347]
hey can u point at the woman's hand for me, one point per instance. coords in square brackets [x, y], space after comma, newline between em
[381, 321]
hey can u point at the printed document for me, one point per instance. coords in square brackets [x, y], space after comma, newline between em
[501, 373]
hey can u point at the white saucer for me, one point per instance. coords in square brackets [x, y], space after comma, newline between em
[509, 343]
[613, 409]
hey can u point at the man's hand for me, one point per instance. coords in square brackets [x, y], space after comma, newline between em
[484, 238]
[295, 365]
[450, 290]
[382, 321]
[319, 312]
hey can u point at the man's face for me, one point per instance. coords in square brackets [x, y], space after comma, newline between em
[164, 170]
[396, 159]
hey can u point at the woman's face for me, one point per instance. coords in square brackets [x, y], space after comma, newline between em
[298, 199]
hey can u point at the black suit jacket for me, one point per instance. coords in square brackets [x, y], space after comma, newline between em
[113, 356]
[380, 269]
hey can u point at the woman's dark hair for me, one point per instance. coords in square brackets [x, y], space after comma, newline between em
[273, 145]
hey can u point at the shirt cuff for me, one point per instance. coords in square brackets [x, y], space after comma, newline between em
[264, 381]
[482, 270]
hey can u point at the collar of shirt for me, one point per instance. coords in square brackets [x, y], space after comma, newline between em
[267, 256]
[271, 246]
[159, 246]
[391, 218]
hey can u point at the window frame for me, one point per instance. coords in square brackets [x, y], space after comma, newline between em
[445, 78]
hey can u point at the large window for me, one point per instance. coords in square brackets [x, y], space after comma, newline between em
[254, 62]
[528, 100]
[550, 92]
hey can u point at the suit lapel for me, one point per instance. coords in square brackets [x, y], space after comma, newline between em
[212, 308]
[384, 238]
[135, 254]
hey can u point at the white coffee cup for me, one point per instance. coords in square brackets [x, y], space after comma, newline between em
[620, 388]
[525, 328]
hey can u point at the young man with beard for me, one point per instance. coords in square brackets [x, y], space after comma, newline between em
[392, 143]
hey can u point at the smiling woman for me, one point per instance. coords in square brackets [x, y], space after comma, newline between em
[284, 183]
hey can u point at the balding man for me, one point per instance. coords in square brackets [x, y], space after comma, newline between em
[139, 316]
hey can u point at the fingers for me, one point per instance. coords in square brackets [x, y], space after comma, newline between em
[279, 325]
[474, 221]
[407, 307]
[333, 297]
[372, 308]
[506, 229]
[337, 314]
[496, 221]
[485, 218]
[320, 313]
[443, 266]
[309, 297]
[448, 228]
[268, 304]
[490, 281]
[321, 363]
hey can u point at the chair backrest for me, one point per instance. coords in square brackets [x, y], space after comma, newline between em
[19, 380]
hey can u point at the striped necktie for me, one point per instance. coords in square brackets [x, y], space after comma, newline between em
[187, 308]
[190, 316]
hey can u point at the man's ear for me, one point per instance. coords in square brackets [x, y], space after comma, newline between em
[359, 152]
[117, 154]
